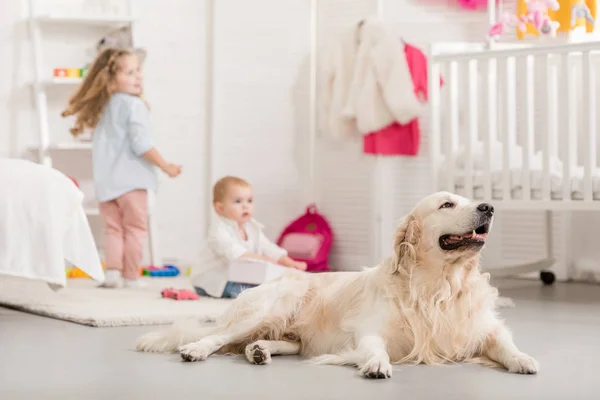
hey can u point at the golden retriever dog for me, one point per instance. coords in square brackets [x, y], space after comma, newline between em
[428, 303]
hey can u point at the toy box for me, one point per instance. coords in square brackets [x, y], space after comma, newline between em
[254, 271]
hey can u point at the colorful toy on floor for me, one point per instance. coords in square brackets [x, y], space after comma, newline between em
[179, 294]
[74, 272]
[165, 271]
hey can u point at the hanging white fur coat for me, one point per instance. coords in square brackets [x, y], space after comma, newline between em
[366, 84]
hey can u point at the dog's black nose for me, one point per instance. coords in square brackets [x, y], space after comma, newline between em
[486, 208]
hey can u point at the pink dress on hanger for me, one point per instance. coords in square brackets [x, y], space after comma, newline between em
[397, 139]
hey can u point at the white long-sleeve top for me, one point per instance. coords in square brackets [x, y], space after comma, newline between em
[366, 82]
[225, 244]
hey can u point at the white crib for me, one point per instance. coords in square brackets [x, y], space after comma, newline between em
[516, 126]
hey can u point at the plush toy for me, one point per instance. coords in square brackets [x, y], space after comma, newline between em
[120, 38]
[581, 10]
[537, 15]
[506, 21]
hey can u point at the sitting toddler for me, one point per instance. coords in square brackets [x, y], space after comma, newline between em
[235, 235]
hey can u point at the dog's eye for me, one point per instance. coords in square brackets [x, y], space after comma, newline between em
[447, 205]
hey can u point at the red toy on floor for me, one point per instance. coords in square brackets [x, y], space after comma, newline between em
[179, 294]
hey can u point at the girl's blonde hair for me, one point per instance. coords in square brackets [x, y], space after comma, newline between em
[88, 102]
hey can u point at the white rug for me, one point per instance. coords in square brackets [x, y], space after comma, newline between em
[83, 303]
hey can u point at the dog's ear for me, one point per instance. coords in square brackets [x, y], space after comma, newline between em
[406, 239]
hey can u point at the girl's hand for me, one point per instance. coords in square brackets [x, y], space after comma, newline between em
[300, 265]
[172, 170]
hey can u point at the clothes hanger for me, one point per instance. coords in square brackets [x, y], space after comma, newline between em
[358, 27]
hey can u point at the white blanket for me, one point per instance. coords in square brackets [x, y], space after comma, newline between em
[42, 224]
[365, 82]
[458, 160]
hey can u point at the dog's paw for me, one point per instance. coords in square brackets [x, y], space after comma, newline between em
[195, 352]
[257, 353]
[377, 368]
[155, 342]
[521, 363]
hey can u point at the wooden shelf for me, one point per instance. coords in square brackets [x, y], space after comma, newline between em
[67, 146]
[63, 81]
[81, 20]
[71, 146]
[92, 211]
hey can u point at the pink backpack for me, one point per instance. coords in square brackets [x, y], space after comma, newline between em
[309, 239]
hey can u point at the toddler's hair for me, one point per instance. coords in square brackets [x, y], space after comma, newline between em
[223, 184]
[93, 94]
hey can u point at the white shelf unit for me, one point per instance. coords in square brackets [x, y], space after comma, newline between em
[75, 145]
[46, 148]
[62, 81]
[85, 20]
[92, 211]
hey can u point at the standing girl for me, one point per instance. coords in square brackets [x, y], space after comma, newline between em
[124, 158]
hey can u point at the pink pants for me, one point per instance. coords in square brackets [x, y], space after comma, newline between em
[125, 227]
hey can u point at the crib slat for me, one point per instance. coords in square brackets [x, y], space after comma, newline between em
[529, 125]
[588, 120]
[545, 78]
[434, 138]
[472, 131]
[511, 116]
[452, 80]
[567, 88]
[490, 135]
[503, 121]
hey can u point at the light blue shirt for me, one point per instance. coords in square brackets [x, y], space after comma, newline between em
[120, 139]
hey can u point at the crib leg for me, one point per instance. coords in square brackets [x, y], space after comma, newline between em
[546, 276]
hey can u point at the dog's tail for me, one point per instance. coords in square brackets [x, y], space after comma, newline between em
[169, 341]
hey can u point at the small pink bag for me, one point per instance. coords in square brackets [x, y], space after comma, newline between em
[302, 245]
[308, 238]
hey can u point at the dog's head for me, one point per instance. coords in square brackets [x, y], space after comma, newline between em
[443, 226]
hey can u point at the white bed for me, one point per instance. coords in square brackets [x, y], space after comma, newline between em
[42, 224]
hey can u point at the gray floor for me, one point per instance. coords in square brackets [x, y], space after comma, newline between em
[41, 358]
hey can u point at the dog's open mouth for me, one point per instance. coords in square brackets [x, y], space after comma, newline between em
[475, 238]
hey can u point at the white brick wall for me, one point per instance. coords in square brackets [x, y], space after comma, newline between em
[173, 34]
[262, 76]
[261, 103]
[274, 86]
